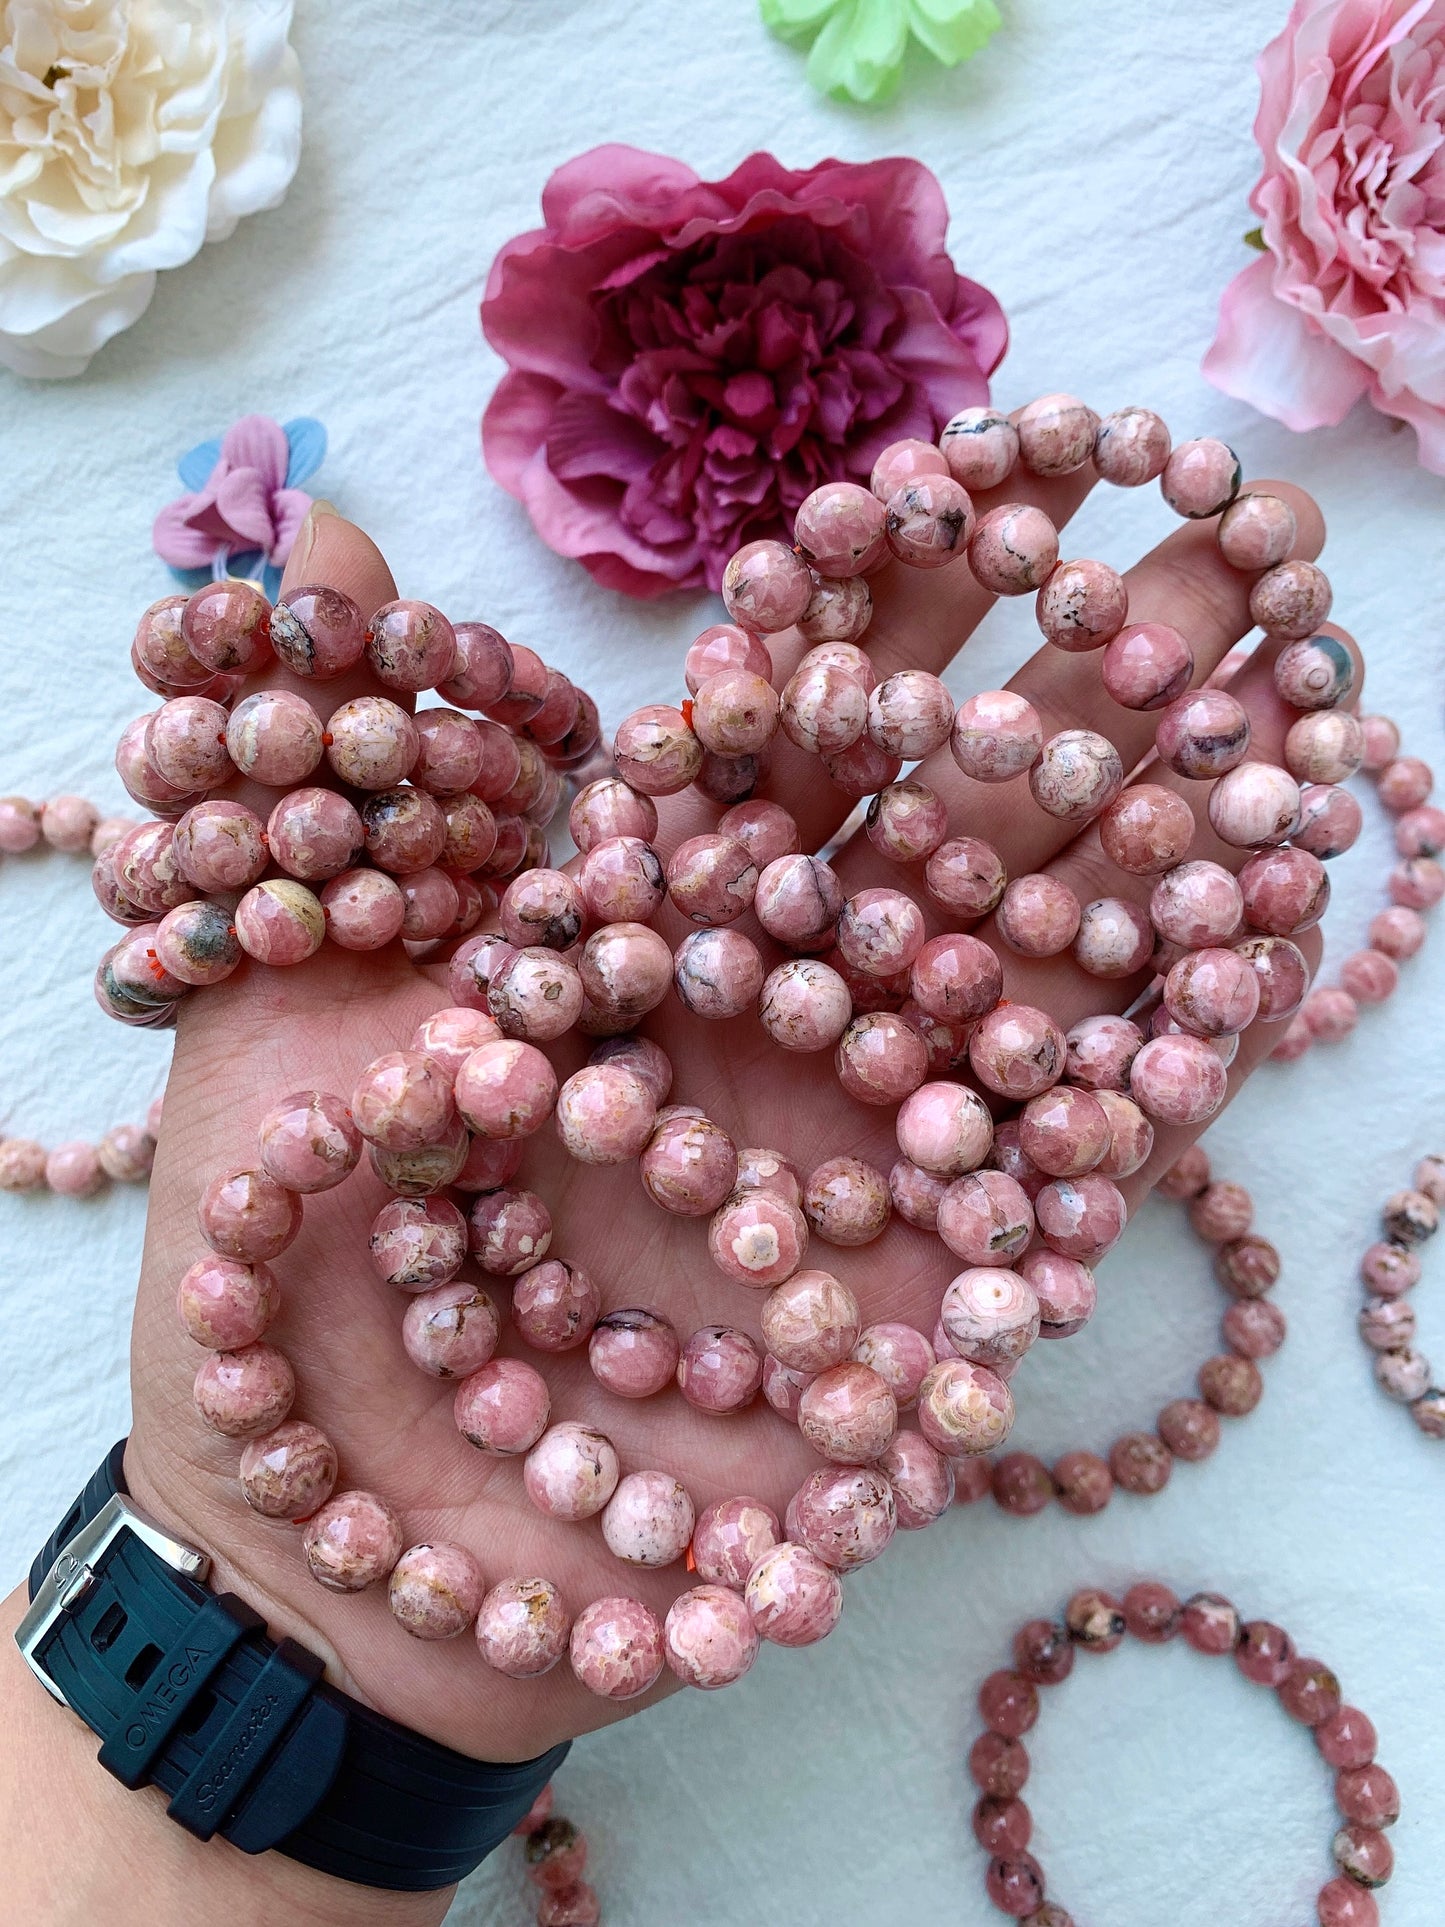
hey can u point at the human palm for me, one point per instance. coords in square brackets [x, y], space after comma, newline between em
[244, 1044]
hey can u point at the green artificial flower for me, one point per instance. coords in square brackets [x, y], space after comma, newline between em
[858, 45]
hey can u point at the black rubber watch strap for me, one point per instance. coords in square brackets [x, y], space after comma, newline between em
[186, 1690]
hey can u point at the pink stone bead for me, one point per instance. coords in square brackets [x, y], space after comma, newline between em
[844, 1514]
[451, 1330]
[608, 808]
[656, 752]
[928, 521]
[1382, 742]
[317, 632]
[1330, 1014]
[1178, 1080]
[506, 1089]
[735, 714]
[783, 1386]
[1131, 1136]
[309, 1142]
[20, 820]
[571, 1472]
[804, 1005]
[839, 530]
[147, 868]
[901, 1356]
[1064, 1288]
[1397, 933]
[711, 879]
[719, 1370]
[522, 1627]
[624, 970]
[404, 830]
[1316, 674]
[434, 1590]
[722, 646]
[616, 1648]
[881, 1058]
[315, 834]
[972, 1481]
[1100, 1051]
[1082, 1217]
[1292, 599]
[621, 880]
[1281, 973]
[1064, 1132]
[1201, 478]
[1369, 976]
[633, 1353]
[709, 1637]
[542, 907]
[991, 1316]
[649, 1519]
[848, 1414]
[605, 1114]
[1115, 938]
[1197, 904]
[1254, 803]
[986, 1218]
[1256, 531]
[956, 978]
[718, 973]
[274, 737]
[729, 1539]
[1056, 434]
[244, 1392]
[1254, 1328]
[555, 1306]
[945, 1127]
[1146, 665]
[996, 736]
[418, 1242]
[1013, 549]
[1264, 1653]
[966, 876]
[980, 447]
[1131, 447]
[1342, 1904]
[1309, 1692]
[410, 646]
[160, 647]
[1146, 829]
[1210, 1624]
[503, 1407]
[1387, 1324]
[964, 1408]
[916, 1193]
[227, 1305]
[1018, 1052]
[73, 1170]
[689, 1166]
[921, 1477]
[793, 1597]
[766, 587]
[280, 922]
[1325, 746]
[880, 932]
[764, 1170]
[352, 1542]
[797, 901]
[846, 1201]
[1009, 1704]
[823, 708]
[1038, 916]
[1082, 606]
[1077, 774]
[402, 1101]
[1283, 891]
[906, 822]
[1403, 1376]
[226, 626]
[839, 610]
[757, 1238]
[910, 714]
[185, 743]
[1421, 832]
[248, 1216]
[363, 910]
[1189, 1428]
[1368, 1796]
[373, 743]
[1390, 1270]
[1212, 993]
[1417, 884]
[288, 1473]
[902, 462]
[1204, 733]
[1430, 1178]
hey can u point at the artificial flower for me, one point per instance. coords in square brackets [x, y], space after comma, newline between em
[858, 46]
[688, 359]
[1347, 298]
[245, 506]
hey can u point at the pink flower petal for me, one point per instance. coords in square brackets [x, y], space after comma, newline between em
[177, 542]
[245, 501]
[256, 442]
[1267, 353]
[288, 508]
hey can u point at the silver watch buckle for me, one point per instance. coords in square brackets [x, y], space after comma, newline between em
[74, 1573]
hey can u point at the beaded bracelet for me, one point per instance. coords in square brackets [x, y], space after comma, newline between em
[1096, 1622]
[556, 1853]
[1390, 1269]
[1187, 1429]
[75, 1169]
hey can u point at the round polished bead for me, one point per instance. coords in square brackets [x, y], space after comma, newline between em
[1316, 672]
[1083, 1483]
[910, 714]
[805, 1005]
[1151, 1612]
[998, 1764]
[482, 667]
[844, 1514]
[928, 520]
[1146, 665]
[1009, 1704]
[196, 943]
[996, 736]
[945, 1127]
[1281, 973]
[226, 626]
[721, 647]
[1256, 531]
[185, 742]
[624, 970]
[416, 1243]
[711, 879]
[1056, 434]
[1417, 884]
[729, 1539]
[622, 880]
[718, 973]
[1038, 915]
[1210, 1624]
[608, 808]
[605, 1114]
[525, 690]
[1115, 938]
[1325, 746]
[279, 922]
[288, 1473]
[764, 1170]
[225, 1304]
[522, 1628]
[1082, 1217]
[451, 1330]
[404, 830]
[1283, 891]
[1077, 774]
[363, 909]
[542, 907]
[839, 610]
[957, 978]
[555, 1306]
[656, 752]
[1330, 1014]
[1131, 1136]
[1397, 933]
[1095, 1621]
[1382, 742]
[991, 1316]
[964, 1408]
[246, 1215]
[309, 1141]
[901, 1356]
[1387, 1324]
[245, 1391]
[980, 447]
[503, 1407]
[434, 1590]
[783, 1386]
[1254, 803]
[1292, 599]
[881, 1058]
[1403, 1375]
[1367, 1795]
[824, 708]
[1231, 1385]
[1013, 549]
[1201, 478]
[839, 530]
[373, 743]
[1204, 733]
[410, 646]
[709, 1637]
[1346, 1738]
[1044, 1654]
[1082, 606]
[571, 1472]
[689, 1166]
[1309, 1692]
[402, 1101]
[1147, 829]
[735, 713]
[1190, 1428]
[766, 587]
[793, 1597]
[1065, 1132]
[719, 1370]
[633, 1353]
[848, 1414]
[757, 1238]
[160, 649]
[1212, 993]
[352, 1542]
[846, 1201]
[880, 932]
[797, 901]
[965, 876]
[1017, 1051]
[648, 1521]
[1178, 1080]
[1369, 976]
[921, 1477]
[1264, 1653]
[1131, 447]
[275, 738]
[315, 834]
[1140, 1463]
[451, 756]
[506, 1089]
[986, 1218]
[1254, 1328]
[1197, 904]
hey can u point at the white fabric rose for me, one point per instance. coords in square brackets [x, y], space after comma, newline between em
[131, 132]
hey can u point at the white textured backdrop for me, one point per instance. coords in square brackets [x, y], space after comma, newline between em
[1096, 159]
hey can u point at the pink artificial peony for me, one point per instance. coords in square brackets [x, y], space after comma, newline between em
[1349, 297]
[688, 359]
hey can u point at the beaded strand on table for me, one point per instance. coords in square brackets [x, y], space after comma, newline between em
[1096, 1622]
[1390, 1269]
[555, 1853]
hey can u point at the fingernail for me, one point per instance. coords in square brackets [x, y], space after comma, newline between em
[306, 534]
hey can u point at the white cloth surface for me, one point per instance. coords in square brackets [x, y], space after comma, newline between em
[1096, 160]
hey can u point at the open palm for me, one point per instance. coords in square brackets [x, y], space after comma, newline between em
[243, 1045]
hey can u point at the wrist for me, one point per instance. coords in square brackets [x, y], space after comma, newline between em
[84, 1848]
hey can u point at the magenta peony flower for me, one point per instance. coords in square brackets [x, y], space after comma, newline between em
[688, 359]
[1348, 298]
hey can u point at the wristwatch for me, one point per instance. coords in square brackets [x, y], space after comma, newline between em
[185, 1690]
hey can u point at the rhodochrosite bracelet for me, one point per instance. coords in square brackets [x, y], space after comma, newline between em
[1096, 1622]
[1390, 1269]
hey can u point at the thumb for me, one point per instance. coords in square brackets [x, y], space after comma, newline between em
[333, 553]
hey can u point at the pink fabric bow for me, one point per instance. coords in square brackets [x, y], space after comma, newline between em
[244, 505]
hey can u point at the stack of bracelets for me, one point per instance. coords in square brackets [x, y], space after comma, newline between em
[425, 818]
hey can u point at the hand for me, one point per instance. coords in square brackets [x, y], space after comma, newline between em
[243, 1045]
